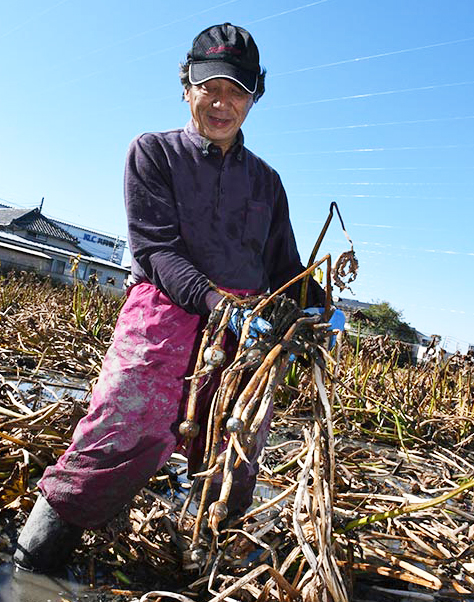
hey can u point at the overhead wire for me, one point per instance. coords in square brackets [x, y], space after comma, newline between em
[284, 12]
[370, 94]
[366, 125]
[372, 150]
[312, 102]
[374, 56]
[22, 206]
[31, 19]
[432, 183]
[174, 47]
[375, 196]
[399, 168]
[415, 250]
[97, 72]
[147, 31]
[193, 16]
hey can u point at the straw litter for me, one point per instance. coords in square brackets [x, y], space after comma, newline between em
[365, 486]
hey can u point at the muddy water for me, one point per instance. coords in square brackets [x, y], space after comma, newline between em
[22, 586]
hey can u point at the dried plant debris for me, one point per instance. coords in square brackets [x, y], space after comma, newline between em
[365, 487]
[48, 326]
[345, 270]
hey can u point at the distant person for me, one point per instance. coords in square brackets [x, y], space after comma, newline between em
[201, 209]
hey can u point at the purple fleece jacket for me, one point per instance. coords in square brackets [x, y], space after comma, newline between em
[196, 216]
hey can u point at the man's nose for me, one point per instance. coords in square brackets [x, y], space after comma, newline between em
[221, 99]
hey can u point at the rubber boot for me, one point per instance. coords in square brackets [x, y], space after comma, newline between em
[46, 540]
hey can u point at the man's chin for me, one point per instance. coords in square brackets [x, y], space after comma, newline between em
[220, 134]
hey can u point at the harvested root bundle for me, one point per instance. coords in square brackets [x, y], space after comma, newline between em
[247, 388]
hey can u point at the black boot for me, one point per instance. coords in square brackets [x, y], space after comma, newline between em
[46, 540]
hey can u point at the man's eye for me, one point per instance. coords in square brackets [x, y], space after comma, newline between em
[239, 93]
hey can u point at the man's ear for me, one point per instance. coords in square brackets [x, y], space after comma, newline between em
[186, 94]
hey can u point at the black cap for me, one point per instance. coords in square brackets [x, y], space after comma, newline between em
[225, 51]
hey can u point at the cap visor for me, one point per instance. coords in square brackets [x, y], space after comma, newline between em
[202, 71]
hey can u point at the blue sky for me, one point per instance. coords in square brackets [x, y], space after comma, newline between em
[369, 104]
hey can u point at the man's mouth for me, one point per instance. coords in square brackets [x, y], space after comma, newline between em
[218, 121]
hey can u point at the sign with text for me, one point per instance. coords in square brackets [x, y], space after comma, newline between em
[100, 245]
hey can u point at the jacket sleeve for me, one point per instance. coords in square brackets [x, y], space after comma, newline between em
[281, 257]
[157, 248]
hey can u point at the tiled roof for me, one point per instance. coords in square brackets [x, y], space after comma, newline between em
[9, 215]
[33, 221]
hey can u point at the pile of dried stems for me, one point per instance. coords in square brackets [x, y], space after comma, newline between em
[365, 488]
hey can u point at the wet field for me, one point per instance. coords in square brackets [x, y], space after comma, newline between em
[21, 586]
[394, 461]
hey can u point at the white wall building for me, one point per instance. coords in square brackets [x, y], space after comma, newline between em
[31, 241]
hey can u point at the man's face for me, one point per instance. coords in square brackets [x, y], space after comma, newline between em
[218, 108]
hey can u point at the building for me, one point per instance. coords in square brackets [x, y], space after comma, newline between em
[31, 241]
[424, 347]
[350, 306]
[98, 244]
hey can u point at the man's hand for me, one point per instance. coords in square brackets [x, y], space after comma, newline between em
[257, 326]
[337, 321]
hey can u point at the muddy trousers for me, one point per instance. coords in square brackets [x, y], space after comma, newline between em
[131, 428]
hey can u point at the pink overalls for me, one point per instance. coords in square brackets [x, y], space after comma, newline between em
[131, 428]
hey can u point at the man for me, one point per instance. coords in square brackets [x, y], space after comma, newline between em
[202, 211]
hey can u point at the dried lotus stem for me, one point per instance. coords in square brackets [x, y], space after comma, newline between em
[241, 455]
[230, 382]
[213, 354]
[216, 416]
[213, 444]
[214, 441]
[227, 480]
[189, 428]
[273, 382]
[247, 412]
[330, 433]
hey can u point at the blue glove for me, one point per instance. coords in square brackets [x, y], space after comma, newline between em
[337, 320]
[257, 326]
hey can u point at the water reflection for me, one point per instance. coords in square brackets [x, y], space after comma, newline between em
[48, 387]
[17, 585]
